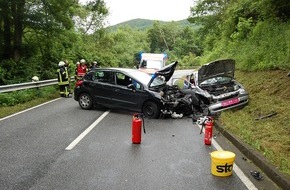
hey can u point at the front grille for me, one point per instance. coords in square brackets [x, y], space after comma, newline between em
[227, 97]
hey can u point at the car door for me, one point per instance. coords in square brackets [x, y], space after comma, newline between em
[101, 87]
[125, 97]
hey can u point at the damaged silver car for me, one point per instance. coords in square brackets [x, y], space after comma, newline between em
[213, 88]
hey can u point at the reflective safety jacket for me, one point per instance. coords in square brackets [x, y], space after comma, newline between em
[81, 70]
[62, 76]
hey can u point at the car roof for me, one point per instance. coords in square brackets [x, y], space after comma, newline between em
[127, 70]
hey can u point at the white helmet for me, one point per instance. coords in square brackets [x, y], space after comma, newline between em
[61, 63]
[78, 63]
[82, 61]
[35, 79]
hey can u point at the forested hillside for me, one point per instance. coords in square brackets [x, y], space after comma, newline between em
[143, 24]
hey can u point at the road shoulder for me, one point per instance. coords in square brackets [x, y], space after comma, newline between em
[250, 160]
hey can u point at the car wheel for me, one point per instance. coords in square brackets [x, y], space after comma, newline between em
[151, 110]
[85, 101]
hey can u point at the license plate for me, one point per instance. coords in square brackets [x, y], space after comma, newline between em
[230, 102]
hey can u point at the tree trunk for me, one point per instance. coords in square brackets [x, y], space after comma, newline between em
[17, 7]
[7, 26]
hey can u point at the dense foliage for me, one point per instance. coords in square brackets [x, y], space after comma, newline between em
[36, 35]
[23, 96]
[255, 33]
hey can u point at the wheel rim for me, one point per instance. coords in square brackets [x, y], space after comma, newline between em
[149, 111]
[85, 101]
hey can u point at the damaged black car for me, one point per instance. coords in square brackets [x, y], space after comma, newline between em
[133, 90]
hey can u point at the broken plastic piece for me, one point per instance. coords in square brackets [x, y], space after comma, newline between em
[257, 175]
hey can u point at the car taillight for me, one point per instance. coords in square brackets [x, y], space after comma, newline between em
[79, 83]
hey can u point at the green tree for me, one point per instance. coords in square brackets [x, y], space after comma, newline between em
[187, 42]
[240, 29]
[41, 33]
[90, 17]
[128, 41]
[162, 37]
[12, 13]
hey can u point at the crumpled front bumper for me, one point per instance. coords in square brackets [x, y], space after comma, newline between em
[218, 106]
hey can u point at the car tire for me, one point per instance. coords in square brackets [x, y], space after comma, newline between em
[85, 101]
[151, 110]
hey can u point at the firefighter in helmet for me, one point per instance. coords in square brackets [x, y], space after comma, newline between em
[82, 69]
[63, 79]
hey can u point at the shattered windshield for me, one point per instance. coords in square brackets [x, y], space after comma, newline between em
[216, 80]
[158, 81]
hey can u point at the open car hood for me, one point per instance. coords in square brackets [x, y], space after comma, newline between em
[165, 72]
[218, 68]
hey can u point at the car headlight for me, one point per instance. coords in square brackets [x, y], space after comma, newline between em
[236, 87]
[242, 91]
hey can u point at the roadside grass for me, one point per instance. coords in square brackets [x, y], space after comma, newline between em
[13, 102]
[269, 95]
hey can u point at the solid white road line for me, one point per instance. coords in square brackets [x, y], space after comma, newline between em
[238, 171]
[83, 134]
[28, 109]
[236, 168]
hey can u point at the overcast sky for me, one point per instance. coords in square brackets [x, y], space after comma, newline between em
[164, 10]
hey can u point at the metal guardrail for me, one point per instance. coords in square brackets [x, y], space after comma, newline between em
[27, 85]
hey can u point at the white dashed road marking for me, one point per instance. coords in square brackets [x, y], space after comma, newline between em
[83, 134]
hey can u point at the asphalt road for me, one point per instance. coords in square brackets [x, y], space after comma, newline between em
[41, 149]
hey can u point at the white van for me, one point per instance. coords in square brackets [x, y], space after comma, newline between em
[152, 62]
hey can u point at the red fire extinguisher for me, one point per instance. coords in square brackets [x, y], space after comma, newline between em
[208, 131]
[137, 122]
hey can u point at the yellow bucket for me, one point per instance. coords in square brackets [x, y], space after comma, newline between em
[222, 163]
